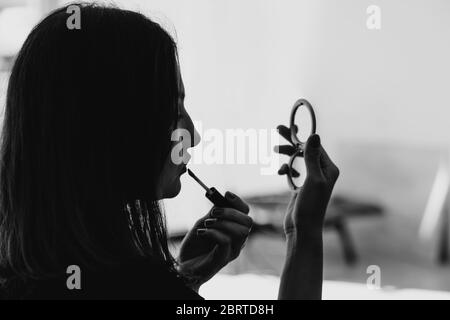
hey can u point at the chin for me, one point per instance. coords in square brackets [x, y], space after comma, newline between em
[173, 190]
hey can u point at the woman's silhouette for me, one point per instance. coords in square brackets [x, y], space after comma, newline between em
[85, 161]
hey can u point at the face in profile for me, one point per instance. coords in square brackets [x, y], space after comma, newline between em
[169, 182]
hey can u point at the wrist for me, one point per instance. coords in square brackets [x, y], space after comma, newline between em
[304, 234]
[195, 287]
[305, 227]
[194, 282]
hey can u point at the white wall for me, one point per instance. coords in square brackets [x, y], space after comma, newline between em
[245, 62]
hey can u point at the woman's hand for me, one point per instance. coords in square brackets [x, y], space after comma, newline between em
[306, 210]
[215, 240]
[302, 273]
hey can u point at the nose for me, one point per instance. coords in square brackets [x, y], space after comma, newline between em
[196, 139]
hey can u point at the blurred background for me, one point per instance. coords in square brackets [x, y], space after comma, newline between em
[382, 106]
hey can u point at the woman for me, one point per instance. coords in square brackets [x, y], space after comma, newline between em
[86, 158]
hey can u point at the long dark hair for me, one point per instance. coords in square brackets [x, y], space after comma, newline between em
[88, 119]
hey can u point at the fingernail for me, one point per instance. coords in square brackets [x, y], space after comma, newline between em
[315, 141]
[210, 222]
[295, 173]
[216, 211]
[284, 169]
[231, 195]
[276, 149]
[201, 231]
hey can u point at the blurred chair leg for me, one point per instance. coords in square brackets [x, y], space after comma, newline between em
[350, 255]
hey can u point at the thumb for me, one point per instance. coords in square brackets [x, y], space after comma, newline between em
[236, 202]
[312, 155]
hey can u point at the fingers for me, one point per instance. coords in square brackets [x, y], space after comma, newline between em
[231, 215]
[236, 231]
[223, 241]
[201, 222]
[313, 153]
[318, 163]
[286, 150]
[285, 170]
[229, 235]
[237, 202]
[325, 159]
[330, 169]
[218, 236]
[285, 132]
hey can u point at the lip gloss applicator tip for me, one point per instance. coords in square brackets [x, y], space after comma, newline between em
[198, 181]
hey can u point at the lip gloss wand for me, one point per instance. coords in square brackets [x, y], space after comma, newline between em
[212, 194]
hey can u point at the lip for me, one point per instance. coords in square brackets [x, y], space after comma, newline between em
[183, 170]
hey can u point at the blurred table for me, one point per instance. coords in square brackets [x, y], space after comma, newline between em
[268, 213]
